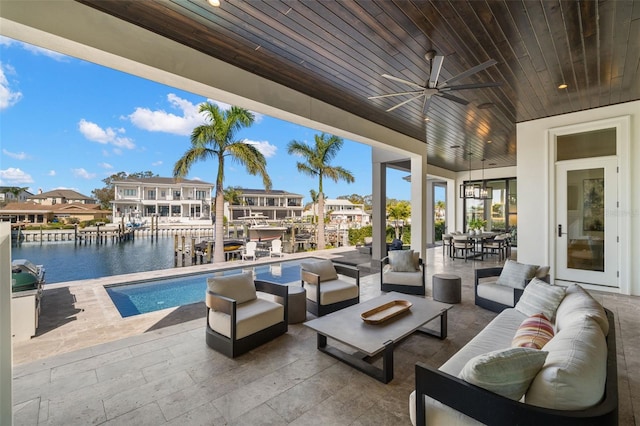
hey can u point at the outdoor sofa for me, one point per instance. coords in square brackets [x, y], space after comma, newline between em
[573, 383]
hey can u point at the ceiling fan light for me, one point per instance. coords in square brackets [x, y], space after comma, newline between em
[214, 3]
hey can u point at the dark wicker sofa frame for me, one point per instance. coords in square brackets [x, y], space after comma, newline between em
[493, 409]
[490, 304]
[232, 347]
[315, 307]
[407, 289]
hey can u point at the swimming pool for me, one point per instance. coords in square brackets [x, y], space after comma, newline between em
[149, 296]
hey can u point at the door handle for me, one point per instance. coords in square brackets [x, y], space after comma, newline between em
[560, 230]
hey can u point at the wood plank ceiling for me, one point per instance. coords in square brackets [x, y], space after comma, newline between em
[337, 51]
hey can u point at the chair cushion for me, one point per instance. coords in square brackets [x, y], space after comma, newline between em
[496, 292]
[402, 261]
[402, 278]
[577, 305]
[323, 268]
[239, 287]
[507, 372]
[251, 317]
[515, 274]
[540, 297]
[534, 332]
[332, 291]
[575, 372]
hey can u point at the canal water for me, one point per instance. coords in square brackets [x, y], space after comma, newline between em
[66, 261]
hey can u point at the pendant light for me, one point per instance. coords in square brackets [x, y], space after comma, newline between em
[483, 192]
[468, 189]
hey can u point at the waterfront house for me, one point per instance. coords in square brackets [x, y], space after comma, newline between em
[276, 205]
[7, 195]
[60, 196]
[35, 213]
[172, 199]
[342, 212]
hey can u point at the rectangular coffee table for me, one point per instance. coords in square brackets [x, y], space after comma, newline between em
[346, 326]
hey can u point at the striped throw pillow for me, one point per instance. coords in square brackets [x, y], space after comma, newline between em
[534, 332]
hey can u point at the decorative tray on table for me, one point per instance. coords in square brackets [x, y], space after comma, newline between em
[386, 311]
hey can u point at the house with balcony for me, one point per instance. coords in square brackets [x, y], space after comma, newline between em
[342, 212]
[60, 196]
[276, 205]
[173, 200]
[8, 195]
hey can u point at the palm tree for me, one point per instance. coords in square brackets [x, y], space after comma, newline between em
[232, 196]
[440, 208]
[317, 159]
[215, 140]
[400, 210]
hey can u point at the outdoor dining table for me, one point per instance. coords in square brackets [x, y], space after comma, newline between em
[479, 240]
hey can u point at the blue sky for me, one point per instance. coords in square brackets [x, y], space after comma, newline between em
[67, 123]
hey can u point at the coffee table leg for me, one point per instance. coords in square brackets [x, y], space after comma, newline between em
[384, 374]
[443, 327]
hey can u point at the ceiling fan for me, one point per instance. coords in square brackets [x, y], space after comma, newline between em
[433, 87]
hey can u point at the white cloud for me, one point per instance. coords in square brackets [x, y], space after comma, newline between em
[95, 133]
[267, 149]
[36, 50]
[14, 176]
[105, 166]
[8, 95]
[51, 173]
[16, 155]
[162, 121]
[82, 173]
[157, 163]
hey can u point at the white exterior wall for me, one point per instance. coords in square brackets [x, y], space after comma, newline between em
[6, 348]
[534, 219]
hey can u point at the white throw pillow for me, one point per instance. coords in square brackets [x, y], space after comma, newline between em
[323, 268]
[575, 372]
[577, 305]
[507, 372]
[514, 274]
[239, 287]
[539, 297]
[402, 261]
[542, 272]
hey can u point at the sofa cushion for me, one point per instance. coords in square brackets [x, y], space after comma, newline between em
[496, 292]
[402, 261]
[507, 372]
[402, 278]
[251, 317]
[323, 268]
[239, 287]
[573, 376]
[540, 297]
[542, 272]
[577, 305]
[332, 291]
[534, 332]
[496, 335]
[515, 274]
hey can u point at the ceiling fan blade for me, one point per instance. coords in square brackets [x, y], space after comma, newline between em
[413, 92]
[453, 98]
[470, 86]
[469, 72]
[404, 102]
[436, 66]
[400, 80]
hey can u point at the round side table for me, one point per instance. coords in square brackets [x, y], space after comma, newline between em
[297, 311]
[447, 288]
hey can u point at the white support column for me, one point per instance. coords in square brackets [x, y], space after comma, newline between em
[379, 219]
[418, 204]
[430, 224]
[6, 414]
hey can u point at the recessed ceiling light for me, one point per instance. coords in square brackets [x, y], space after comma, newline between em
[214, 3]
[486, 105]
[489, 141]
[563, 86]
[426, 119]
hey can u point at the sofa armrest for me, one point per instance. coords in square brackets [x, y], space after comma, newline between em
[272, 288]
[225, 305]
[349, 271]
[487, 272]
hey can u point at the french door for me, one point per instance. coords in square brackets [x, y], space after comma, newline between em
[586, 228]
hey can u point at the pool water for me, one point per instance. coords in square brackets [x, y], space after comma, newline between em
[149, 296]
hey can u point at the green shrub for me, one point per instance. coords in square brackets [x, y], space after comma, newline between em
[439, 226]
